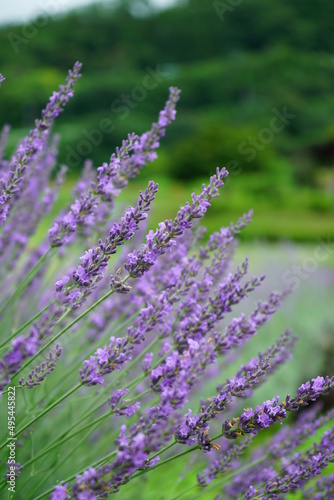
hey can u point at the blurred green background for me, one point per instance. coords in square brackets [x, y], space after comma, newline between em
[257, 82]
[257, 86]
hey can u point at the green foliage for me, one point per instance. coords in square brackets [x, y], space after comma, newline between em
[218, 144]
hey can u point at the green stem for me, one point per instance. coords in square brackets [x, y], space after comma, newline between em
[187, 491]
[174, 457]
[68, 327]
[113, 383]
[62, 438]
[163, 450]
[95, 465]
[67, 437]
[24, 326]
[83, 440]
[59, 442]
[32, 359]
[92, 408]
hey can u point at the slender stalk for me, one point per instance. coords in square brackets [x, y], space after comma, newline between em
[61, 440]
[163, 450]
[95, 464]
[68, 327]
[187, 491]
[32, 359]
[107, 334]
[174, 457]
[92, 408]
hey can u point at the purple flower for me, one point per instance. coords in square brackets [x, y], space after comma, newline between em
[106, 360]
[147, 362]
[271, 411]
[34, 143]
[166, 336]
[223, 462]
[300, 468]
[139, 262]
[60, 493]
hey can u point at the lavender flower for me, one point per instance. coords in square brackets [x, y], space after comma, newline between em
[35, 202]
[271, 411]
[71, 292]
[94, 262]
[60, 493]
[122, 166]
[299, 469]
[159, 333]
[266, 458]
[38, 374]
[106, 361]
[114, 403]
[162, 240]
[35, 142]
[323, 489]
[240, 330]
[133, 448]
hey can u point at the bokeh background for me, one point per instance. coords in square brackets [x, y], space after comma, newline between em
[257, 83]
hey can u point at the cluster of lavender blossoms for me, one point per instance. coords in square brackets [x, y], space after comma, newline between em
[111, 332]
